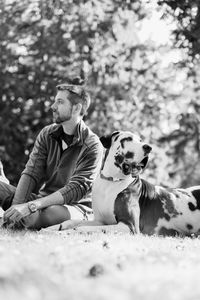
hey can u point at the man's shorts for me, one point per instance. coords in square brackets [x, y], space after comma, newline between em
[80, 212]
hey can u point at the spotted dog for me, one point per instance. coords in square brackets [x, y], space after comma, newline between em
[123, 201]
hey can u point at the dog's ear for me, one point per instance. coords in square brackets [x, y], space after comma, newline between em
[144, 162]
[106, 140]
[147, 149]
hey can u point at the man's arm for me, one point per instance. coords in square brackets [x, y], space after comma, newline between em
[16, 212]
[79, 185]
[33, 171]
[81, 181]
[24, 188]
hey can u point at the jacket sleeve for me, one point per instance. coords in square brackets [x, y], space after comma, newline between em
[36, 164]
[86, 171]
[24, 188]
[33, 171]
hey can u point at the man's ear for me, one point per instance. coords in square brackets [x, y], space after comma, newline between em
[77, 108]
[106, 140]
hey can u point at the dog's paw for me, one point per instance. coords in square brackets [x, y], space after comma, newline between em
[70, 224]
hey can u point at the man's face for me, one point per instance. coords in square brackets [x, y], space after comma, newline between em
[62, 107]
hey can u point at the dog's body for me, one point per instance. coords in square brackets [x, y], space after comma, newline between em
[147, 208]
[123, 201]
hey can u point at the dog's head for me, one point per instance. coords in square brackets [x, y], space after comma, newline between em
[126, 155]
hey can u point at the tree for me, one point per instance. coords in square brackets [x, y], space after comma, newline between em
[44, 42]
[185, 138]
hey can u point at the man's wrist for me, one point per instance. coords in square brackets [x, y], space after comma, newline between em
[33, 206]
[16, 201]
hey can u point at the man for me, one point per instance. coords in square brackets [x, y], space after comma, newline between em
[63, 164]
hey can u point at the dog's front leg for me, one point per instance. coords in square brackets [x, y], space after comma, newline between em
[130, 218]
[136, 219]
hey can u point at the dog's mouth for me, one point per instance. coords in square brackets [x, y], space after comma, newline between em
[131, 169]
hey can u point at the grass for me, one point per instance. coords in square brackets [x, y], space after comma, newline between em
[55, 265]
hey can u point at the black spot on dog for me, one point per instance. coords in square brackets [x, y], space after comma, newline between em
[168, 203]
[191, 206]
[196, 194]
[147, 149]
[129, 155]
[155, 206]
[167, 232]
[167, 217]
[119, 158]
[189, 226]
[128, 139]
[123, 208]
[106, 141]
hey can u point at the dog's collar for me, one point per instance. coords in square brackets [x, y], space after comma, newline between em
[110, 178]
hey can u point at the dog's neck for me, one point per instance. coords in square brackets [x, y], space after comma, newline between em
[110, 178]
[129, 179]
[113, 172]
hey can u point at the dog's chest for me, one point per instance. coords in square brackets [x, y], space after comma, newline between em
[104, 194]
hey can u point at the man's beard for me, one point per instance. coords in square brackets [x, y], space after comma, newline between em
[60, 119]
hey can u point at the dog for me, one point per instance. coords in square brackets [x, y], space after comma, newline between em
[122, 201]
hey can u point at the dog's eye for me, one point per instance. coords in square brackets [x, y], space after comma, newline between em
[119, 158]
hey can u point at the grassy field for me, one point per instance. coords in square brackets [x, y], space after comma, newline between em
[56, 265]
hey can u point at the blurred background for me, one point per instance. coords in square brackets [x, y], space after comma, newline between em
[141, 62]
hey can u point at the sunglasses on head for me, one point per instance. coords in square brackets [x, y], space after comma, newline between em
[74, 89]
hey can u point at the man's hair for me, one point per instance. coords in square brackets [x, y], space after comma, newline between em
[78, 93]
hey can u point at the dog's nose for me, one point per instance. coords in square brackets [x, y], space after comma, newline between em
[147, 149]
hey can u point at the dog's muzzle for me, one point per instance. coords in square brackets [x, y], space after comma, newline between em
[131, 168]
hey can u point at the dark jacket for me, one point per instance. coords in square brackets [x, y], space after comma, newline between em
[72, 171]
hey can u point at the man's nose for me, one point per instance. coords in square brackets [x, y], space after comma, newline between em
[53, 107]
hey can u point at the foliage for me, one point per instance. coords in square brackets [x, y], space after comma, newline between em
[186, 13]
[184, 141]
[44, 42]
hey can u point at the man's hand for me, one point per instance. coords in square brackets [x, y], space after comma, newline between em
[16, 212]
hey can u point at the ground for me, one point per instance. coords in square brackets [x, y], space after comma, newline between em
[56, 265]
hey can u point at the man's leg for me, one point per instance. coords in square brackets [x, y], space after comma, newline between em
[49, 216]
[56, 214]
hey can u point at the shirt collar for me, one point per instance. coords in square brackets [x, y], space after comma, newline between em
[78, 134]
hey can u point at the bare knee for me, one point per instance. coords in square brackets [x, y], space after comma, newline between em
[52, 215]
[49, 216]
